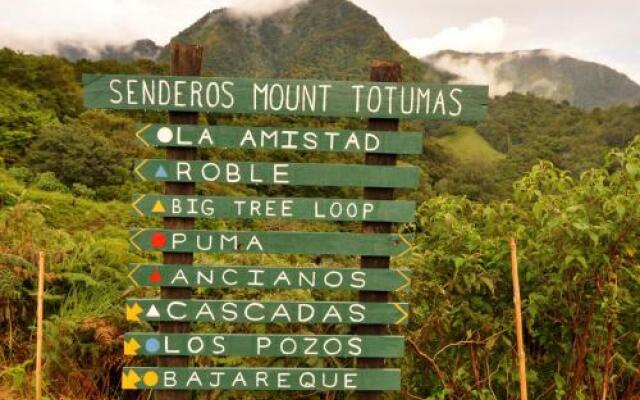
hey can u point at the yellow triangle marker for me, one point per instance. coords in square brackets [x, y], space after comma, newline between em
[133, 312]
[131, 347]
[130, 380]
[404, 316]
[158, 207]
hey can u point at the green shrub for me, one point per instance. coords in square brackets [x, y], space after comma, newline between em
[47, 181]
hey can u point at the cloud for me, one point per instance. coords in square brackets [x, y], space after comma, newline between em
[482, 36]
[260, 8]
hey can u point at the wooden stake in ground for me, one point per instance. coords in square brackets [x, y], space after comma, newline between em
[522, 368]
[39, 330]
[185, 60]
[380, 71]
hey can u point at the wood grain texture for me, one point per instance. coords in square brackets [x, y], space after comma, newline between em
[383, 72]
[185, 60]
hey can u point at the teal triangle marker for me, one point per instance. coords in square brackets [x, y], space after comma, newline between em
[161, 172]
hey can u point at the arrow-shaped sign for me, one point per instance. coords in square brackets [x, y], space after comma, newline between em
[261, 277]
[334, 243]
[294, 208]
[271, 138]
[268, 345]
[264, 173]
[316, 379]
[324, 312]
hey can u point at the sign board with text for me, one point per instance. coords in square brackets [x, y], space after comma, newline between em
[271, 138]
[286, 97]
[229, 277]
[263, 345]
[315, 379]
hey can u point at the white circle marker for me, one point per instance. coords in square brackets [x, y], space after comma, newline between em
[164, 134]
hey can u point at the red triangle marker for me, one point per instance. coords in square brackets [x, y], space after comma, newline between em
[155, 276]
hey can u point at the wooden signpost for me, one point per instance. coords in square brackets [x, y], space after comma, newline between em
[339, 243]
[384, 101]
[273, 207]
[262, 173]
[269, 345]
[291, 312]
[286, 97]
[227, 277]
[270, 138]
[308, 379]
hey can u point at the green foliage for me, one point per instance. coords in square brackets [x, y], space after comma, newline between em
[317, 39]
[577, 242]
[76, 154]
[48, 182]
[51, 79]
[80, 190]
[21, 115]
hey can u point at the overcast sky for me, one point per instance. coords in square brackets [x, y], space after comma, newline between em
[606, 31]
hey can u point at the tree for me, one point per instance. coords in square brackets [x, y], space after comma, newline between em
[76, 154]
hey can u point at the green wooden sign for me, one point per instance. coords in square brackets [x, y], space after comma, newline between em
[286, 97]
[334, 243]
[273, 207]
[225, 277]
[247, 311]
[300, 139]
[266, 173]
[308, 379]
[240, 345]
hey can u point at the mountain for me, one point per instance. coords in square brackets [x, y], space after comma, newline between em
[323, 39]
[543, 73]
[144, 48]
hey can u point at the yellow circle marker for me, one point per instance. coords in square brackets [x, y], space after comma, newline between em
[150, 378]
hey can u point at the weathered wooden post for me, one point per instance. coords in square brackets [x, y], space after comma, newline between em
[185, 60]
[380, 71]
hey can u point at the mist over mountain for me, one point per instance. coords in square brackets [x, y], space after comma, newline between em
[144, 48]
[543, 73]
[332, 39]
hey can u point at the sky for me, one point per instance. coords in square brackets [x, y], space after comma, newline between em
[605, 31]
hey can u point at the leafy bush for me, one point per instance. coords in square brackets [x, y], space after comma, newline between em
[47, 181]
[77, 155]
[80, 190]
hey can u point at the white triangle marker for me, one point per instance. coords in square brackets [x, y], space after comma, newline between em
[153, 312]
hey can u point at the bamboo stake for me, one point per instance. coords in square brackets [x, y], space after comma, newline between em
[39, 318]
[522, 369]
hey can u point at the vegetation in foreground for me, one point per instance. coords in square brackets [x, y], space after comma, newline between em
[66, 180]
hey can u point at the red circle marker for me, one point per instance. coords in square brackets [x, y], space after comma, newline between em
[158, 240]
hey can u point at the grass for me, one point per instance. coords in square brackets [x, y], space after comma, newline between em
[467, 145]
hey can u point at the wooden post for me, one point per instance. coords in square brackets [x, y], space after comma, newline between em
[39, 327]
[185, 60]
[380, 71]
[522, 369]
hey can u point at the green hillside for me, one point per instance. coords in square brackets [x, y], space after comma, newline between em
[313, 39]
[467, 145]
